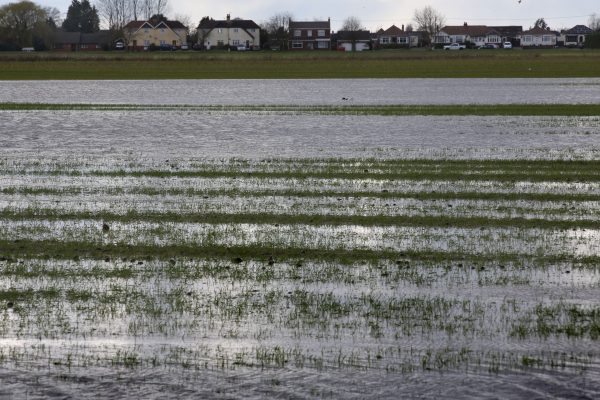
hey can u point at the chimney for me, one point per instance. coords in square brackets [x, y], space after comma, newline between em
[402, 27]
[228, 17]
[465, 24]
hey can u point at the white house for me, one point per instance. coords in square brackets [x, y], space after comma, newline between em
[238, 33]
[538, 37]
[479, 35]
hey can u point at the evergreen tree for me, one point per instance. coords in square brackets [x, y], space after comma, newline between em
[81, 17]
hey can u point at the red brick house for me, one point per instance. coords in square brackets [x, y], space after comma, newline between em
[312, 35]
[76, 41]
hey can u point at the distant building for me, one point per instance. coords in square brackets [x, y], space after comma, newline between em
[237, 33]
[576, 36]
[539, 37]
[352, 40]
[140, 35]
[313, 35]
[510, 33]
[76, 41]
[478, 35]
[397, 37]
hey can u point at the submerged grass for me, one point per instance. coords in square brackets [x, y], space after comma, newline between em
[381, 110]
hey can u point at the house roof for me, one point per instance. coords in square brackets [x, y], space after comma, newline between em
[310, 24]
[511, 30]
[67, 37]
[354, 35]
[469, 30]
[539, 31]
[393, 31]
[232, 23]
[96, 37]
[579, 30]
[135, 25]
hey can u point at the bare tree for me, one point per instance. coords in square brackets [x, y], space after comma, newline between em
[430, 21]
[136, 8]
[351, 24]
[594, 22]
[278, 28]
[153, 7]
[115, 13]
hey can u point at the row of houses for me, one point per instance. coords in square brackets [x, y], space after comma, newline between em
[311, 35]
[480, 35]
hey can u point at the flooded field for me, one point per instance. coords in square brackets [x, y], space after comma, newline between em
[307, 92]
[173, 254]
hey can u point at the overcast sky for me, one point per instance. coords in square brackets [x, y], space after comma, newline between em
[375, 14]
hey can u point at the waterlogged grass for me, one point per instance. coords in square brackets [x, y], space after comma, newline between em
[115, 265]
[391, 110]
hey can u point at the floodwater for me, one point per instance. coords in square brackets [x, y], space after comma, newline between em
[307, 92]
[253, 135]
[497, 308]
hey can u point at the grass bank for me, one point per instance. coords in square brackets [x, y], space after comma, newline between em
[303, 65]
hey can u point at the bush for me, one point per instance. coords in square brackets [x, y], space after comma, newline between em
[593, 41]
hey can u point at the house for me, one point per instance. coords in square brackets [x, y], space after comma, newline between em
[397, 37]
[575, 37]
[140, 35]
[76, 41]
[236, 33]
[314, 35]
[478, 35]
[352, 40]
[538, 37]
[510, 33]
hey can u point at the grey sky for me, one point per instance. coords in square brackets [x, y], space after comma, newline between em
[376, 14]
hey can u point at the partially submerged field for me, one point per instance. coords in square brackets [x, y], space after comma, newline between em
[415, 63]
[241, 251]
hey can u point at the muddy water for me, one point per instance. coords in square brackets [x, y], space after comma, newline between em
[307, 92]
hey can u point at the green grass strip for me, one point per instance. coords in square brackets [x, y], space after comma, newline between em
[293, 219]
[54, 249]
[382, 194]
[383, 110]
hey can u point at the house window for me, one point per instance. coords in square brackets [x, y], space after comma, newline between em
[321, 32]
[162, 42]
[385, 40]
[297, 45]
[528, 39]
[146, 43]
[402, 40]
[547, 39]
[220, 43]
[309, 33]
[236, 42]
[84, 46]
[162, 30]
[297, 33]
[322, 45]
[236, 30]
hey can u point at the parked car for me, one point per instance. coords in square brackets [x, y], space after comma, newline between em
[488, 46]
[184, 47]
[455, 46]
[119, 46]
[507, 45]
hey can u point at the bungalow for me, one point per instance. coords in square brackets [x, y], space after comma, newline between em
[575, 37]
[510, 33]
[237, 33]
[139, 35]
[479, 35]
[538, 37]
[314, 35]
[353, 40]
[396, 37]
[76, 41]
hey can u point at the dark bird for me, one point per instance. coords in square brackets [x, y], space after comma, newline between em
[105, 227]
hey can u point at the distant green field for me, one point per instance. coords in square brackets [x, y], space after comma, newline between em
[255, 65]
